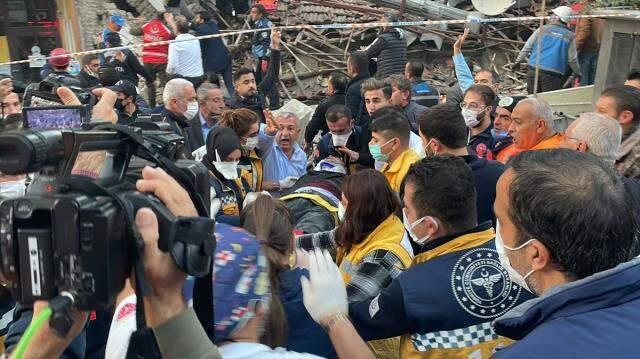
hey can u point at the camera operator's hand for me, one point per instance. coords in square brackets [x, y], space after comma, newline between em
[103, 110]
[165, 278]
[45, 343]
[6, 87]
[168, 190]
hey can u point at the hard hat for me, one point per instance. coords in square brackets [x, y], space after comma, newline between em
[564, 13]
[118, 20]
[59, 61]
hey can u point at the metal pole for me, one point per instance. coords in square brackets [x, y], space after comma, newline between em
[539, 49]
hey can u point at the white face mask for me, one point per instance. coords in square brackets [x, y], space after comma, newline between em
[506, 264]
[341, 211]
[409, 227]
[470, 117]
[340, 140]
[12, 189]
[227, 169]
[192, 110]
[251, 143]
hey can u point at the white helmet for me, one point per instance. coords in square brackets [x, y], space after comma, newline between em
[564, 13]
[328, 166]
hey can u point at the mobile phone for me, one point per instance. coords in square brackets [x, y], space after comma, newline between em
[55, 117]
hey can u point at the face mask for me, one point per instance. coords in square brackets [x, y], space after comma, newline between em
[471, 117]
[227, 169]
[376, 152]
[340, 140]
[341, 211]
[506, 264]
[192, 110]
[499, 134]
[119, 106]
[250, 144]
[12, 189]
[409, 227]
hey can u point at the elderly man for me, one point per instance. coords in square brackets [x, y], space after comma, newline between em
[599, 134]
[180, 108]
[623, 104]
[532, 126]
[401, 96]
[285, 161]
[577, 252]
[211, 104]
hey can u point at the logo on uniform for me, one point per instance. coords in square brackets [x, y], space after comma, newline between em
[481, 286]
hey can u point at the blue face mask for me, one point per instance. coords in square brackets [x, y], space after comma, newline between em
[376, 152]
[499, 134]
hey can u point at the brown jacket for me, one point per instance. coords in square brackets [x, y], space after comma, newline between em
[628, 162]
[589, 34]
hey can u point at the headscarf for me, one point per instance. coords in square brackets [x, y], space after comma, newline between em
[222, 139]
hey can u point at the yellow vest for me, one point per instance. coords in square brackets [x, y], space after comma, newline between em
[388, 236]
[482, 350]
[253, 177]
[399, 168]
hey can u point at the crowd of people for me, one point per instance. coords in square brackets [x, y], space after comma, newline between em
[399, 225]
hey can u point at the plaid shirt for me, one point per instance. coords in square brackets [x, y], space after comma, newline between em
[376, 270]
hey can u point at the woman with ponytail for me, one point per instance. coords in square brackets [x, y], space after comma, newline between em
[228, 189]
[254, 139]
[289, 324]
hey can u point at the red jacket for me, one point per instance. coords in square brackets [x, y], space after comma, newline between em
[155, 31]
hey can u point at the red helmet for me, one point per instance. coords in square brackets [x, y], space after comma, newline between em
[59, 61]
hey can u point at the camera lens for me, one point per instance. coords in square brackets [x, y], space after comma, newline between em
[29, 151]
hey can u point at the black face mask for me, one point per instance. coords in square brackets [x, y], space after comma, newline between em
[118, 105]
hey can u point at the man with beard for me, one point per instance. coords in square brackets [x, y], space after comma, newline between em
[284, 161]
[476, 111]
[250, 95]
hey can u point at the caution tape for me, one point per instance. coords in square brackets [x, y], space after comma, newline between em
[470, 20]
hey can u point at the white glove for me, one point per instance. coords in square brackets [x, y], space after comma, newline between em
[252, 196]
[287, 182]
[324, 293]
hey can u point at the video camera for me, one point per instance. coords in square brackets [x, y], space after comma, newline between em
[43, 94]
[79, 240]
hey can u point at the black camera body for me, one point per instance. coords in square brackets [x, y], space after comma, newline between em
[79, 238]
[43, 93]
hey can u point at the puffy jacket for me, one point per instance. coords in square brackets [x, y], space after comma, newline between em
[390, 48]
[595, 317]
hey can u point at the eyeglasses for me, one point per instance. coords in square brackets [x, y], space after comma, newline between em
[471, 106]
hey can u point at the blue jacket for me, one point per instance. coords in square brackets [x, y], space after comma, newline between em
[262, 39]
[215, 56]
[595, 317]
[485, 177]
[305, 335]
[557, 49]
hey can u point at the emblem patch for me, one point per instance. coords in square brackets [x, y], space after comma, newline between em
[481, 286]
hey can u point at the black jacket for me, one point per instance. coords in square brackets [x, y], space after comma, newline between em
[271, 78]
[130, 68]
[88, 81]
[191, 130]
[355, 101]
[215, 55]
[390, 48]
[358, 141]
[318, 120]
